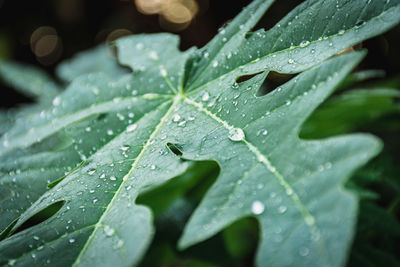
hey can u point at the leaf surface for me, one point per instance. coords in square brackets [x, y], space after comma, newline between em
[110, 137]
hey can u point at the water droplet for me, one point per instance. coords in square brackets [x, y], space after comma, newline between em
[125, 147]
[153, 167]
[304, 43]
[91, 171]
[288, 102]
[110, 132]
[56, 101]
[71, 240]
[235, 85]
[102, 176]
[163, 72]
[131, 128]
[341, 32]
[282, 209]
[236, 134]
[139, 46]
[205, 96]
[257, 207]
[112, 178]
[289, 191]
[153, 55]
[176, 118]
[303, 251]
[291, 61]
[215, 64]
[108, 230]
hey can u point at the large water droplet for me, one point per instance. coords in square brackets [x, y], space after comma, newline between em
[257, 207]
[236, 134]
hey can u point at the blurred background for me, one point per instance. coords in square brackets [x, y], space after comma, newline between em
[46, 32]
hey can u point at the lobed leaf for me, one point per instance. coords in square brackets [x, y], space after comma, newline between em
[109, 138]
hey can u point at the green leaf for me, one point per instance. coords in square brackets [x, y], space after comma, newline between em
[99, 59]
[28, 80]
[109, 138]
[351, 110]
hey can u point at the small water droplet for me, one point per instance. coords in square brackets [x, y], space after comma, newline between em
[205, 96]
[303, 251]
[282, 209]
[71, 240]
[257, 207]
[108, 230]
[176, 118]
[131, 128]
[289, 191]
[56, 101]
[304, 43]
[215, 64]
[91, 171]
[125, 147]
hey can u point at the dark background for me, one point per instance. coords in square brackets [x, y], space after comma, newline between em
[82, 24]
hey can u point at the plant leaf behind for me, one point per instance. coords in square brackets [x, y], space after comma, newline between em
[116, 135]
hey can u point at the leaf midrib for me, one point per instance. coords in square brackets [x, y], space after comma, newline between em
[177, 99]
[307, 216]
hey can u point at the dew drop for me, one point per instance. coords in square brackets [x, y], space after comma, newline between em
[289, 191]
[304, 43]
[215, 64]
[125, 147]
[236, 134]
[108, 230]
[112, 178]
[291, 61]
[163, 72]
[257, 207]
[131, 128]
[56, 101]
[71, 240]
[205, 96]
[303, 251]
[282, 209]
[176, 118]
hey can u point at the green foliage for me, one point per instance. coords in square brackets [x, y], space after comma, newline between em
[79, 172]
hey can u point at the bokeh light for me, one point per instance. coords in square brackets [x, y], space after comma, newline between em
[149, 7]
[174, 15]
[46, 45]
